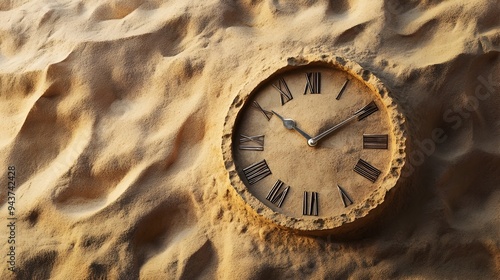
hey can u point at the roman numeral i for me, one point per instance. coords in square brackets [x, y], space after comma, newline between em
[256, 172]
[342, 90]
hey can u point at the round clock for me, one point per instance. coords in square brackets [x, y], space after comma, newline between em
[316, 146]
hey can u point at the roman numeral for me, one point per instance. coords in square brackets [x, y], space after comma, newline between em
[342, 89]
[282, 88]
[313, 83]
[256, 172]
[343, 195]
[252, 143]
[367, 110]
[310, 204]
[366, 170]
[374, 141]
[267, 114]
[278, 193]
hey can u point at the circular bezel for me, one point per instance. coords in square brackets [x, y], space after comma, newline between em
[357, 216]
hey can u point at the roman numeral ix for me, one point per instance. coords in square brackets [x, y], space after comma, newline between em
[313, 83]
[366, 170]
[267, 114]
[256, 172]
[343, 195]
[278, 193]
[252, 143]
[374, 141]
[282, 88]
[310, 204]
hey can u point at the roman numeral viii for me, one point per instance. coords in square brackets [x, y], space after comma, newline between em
[366, 170]
[310, 204]
[252, 143]
[256, 172]
[313, 83]
[278, 193]
[282, 88]
[373, 141]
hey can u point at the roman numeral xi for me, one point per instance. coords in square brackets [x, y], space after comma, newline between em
[282, 88]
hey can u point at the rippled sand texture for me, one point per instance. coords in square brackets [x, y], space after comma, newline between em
[113, 112]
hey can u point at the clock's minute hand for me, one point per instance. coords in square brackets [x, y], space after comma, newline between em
[314, 140]
[290, 124]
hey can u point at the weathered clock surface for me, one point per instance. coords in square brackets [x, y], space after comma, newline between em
[316, 146]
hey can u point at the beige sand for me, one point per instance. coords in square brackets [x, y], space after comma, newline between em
[113, 111]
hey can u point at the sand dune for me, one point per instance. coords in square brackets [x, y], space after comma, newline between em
[113, 115]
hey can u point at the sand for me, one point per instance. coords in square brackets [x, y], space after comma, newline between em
[113, 112]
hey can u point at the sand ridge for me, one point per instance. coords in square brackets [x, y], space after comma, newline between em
[113, 114]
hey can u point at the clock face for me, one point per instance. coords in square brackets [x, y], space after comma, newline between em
[315, 143]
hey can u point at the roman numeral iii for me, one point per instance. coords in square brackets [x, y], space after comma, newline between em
[252, 143]
[374, 141]
[310, 204]
[313, 83]
[282, 88]
[256, 172]
[278, 193]
[366, 170]
[267, 114]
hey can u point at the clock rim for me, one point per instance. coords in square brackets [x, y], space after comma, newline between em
[364, 211]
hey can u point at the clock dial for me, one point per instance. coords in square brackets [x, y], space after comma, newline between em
[328, 133]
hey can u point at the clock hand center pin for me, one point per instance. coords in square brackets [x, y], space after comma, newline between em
[291, 124]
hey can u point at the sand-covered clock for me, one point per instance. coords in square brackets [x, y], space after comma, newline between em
[316, 146]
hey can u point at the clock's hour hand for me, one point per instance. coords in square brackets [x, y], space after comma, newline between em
[314, 140]
[290, 124]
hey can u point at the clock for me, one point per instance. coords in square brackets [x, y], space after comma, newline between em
[316, 146]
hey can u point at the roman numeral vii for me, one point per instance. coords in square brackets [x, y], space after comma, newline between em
[278, 193]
